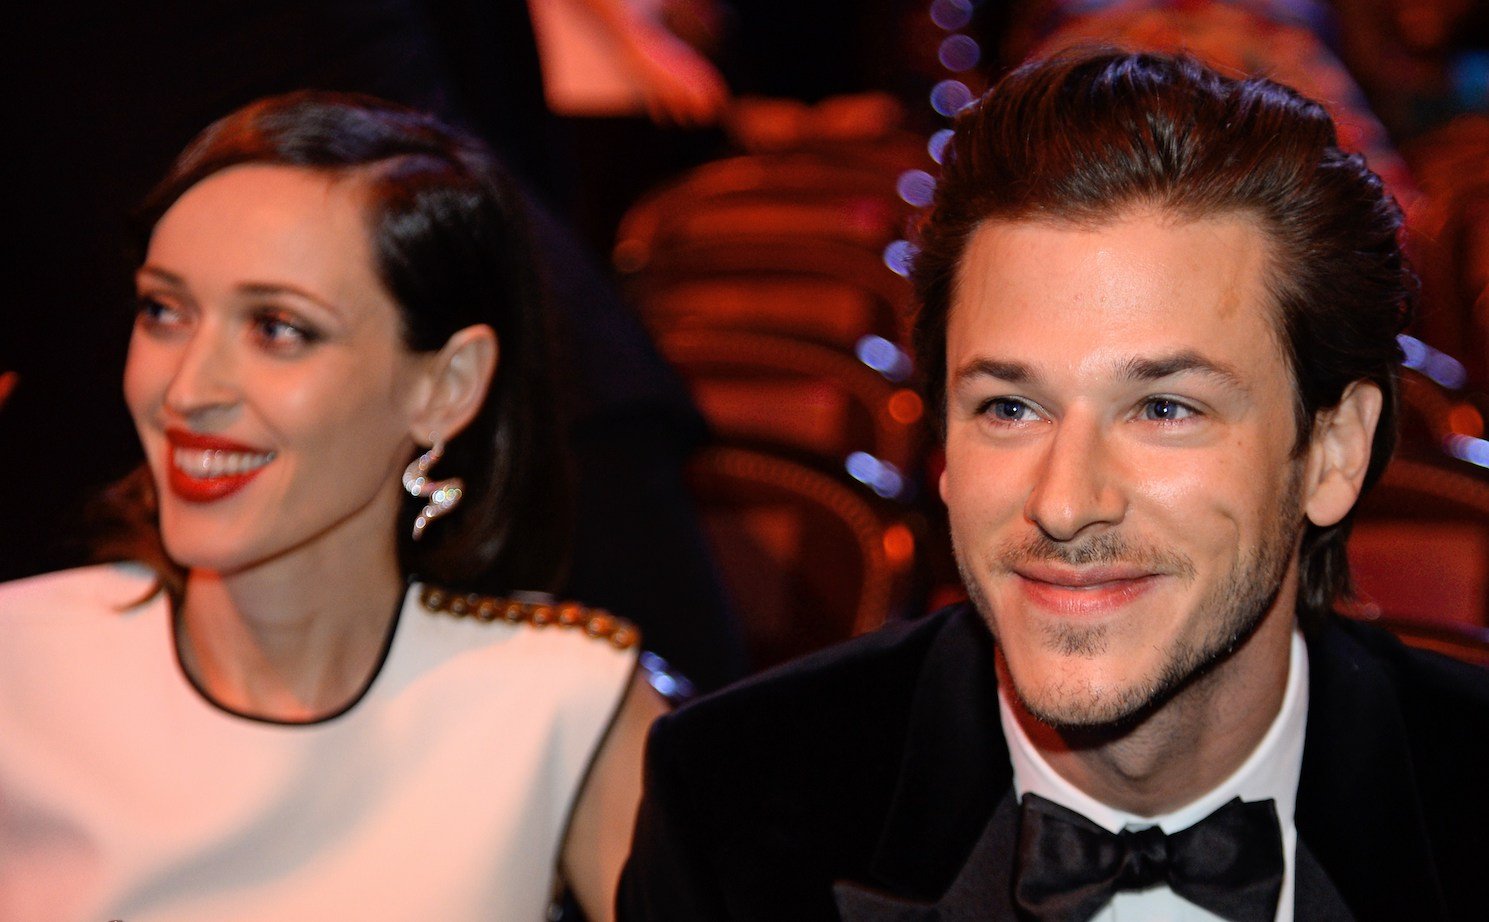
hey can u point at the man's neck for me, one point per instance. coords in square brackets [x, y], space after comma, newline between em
[1189, 744]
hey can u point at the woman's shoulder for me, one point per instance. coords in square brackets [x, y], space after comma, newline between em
[555, 642]
[533, 614]
[569, 664]
[114, 587]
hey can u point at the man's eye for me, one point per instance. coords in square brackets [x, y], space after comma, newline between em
[1162, 409]
[1009, 410]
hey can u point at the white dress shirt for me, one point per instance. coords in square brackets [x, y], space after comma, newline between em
[1271, 771]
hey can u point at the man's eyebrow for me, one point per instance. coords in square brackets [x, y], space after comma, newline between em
[1133, 369]
[1153, 369]
[1012, 372]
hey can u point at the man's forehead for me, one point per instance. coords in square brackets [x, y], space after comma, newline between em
[1150, 284]
[1158, 216]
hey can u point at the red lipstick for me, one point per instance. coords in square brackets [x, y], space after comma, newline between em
[202, 468]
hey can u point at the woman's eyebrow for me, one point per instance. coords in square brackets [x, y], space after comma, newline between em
[164, 275]
[269, 289]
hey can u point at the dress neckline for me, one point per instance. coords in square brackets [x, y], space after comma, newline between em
[173, 620]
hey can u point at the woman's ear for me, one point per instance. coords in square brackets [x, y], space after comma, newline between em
[457, 379]
[1339, 454]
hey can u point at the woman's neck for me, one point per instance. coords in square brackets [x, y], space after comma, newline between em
[290, 640]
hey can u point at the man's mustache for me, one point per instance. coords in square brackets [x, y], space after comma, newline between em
[1106, 549]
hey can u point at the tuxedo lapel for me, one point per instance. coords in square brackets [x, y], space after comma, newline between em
[981, 891]
[1358, 813]
[954, 768]
[860, 903]
[1314, 897]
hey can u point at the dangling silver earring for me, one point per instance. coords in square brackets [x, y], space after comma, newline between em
[443, 495]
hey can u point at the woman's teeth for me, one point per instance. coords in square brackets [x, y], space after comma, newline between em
[204, 464]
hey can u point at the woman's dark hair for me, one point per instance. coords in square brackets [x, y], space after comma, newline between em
[1084, 136]
[452, 246]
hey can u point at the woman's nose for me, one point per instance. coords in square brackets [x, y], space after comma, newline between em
[204, 381]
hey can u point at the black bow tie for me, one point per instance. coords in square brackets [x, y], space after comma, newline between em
[1067, 868]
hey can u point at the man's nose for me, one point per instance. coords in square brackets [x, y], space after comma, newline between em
[1076, 486]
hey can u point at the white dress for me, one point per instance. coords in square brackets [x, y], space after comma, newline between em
[442, 794]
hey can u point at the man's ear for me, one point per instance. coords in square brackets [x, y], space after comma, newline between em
[1339, 454]
[456, 381]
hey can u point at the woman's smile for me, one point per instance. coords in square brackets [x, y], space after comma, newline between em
[204, 468]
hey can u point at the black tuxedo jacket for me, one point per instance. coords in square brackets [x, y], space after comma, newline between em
[872, 782]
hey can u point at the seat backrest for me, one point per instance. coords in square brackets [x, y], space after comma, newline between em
[825, 194]
[810, 559]
[772, 390]
[1420, 546]
[821, 290]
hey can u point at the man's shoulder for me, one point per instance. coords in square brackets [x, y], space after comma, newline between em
[828, 729]
[1391, 800]
[1420, 714]
[1427, 684]
[763, 794]
[872, 674]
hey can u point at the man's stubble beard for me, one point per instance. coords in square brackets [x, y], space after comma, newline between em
[1239, 604]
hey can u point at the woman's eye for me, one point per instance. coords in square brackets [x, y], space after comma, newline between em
[1163, 409]
[280, 331]
[156, 315]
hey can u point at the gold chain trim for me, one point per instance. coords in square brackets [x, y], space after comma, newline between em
[594, 622]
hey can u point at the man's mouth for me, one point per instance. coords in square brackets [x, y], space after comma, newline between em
[1085, 591]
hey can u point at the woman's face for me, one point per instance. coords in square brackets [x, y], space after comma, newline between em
[267, 376]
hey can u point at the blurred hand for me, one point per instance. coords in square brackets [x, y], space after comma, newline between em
[679, 86]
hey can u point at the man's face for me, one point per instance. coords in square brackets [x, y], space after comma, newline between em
[1124, 498]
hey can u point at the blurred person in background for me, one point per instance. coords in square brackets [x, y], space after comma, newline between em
[636, 103]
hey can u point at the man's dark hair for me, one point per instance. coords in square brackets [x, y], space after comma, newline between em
[452, 246]
[1086, 136]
